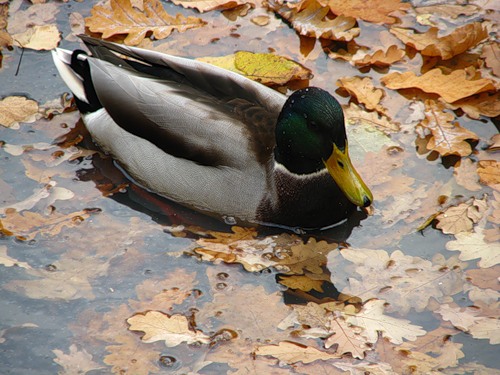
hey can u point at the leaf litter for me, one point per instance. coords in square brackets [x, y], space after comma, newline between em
[367, 325]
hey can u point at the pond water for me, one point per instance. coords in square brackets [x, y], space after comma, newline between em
[86, 254]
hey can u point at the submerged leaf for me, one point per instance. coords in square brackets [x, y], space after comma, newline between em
[291, 352]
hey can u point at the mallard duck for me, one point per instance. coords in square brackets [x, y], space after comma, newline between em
[214, 140]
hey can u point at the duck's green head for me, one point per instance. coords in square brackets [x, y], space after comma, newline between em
[310, 135]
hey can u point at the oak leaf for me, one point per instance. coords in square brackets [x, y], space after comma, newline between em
[430, 44]
[123, 18]
[448, 10]
[485, 104]
[451, 87]
[364, 91]
[16, 109]
[486, 278]
[7, 261]
[376, 11]
[208, 5]
[357, 116]
[403, 281]
[348, 338]
[380, 58]
[465, 172]
[158, 326]
[447, 137]
[76, 361]
[310, 19]
[301, 282]
[489, 173]
[461, 218]
[491, 54]
[266, 68]
[473, 246]
[291, 352]
[373, 320]
[39, 38]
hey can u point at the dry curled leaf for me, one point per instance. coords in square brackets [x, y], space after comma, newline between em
[380, 58]
[16, 109]
[451, 87]
[173, 330]
[311, 20]
[377, 11]
[123, 18]
[430, 44]
[364, 91]
[446, 137]
[291, 352]
[485, 104]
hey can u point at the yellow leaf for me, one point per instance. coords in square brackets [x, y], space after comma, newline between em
[376, 11]
[174, 329]
[122, 18]
[430, 44]
[291, 352]
[447, 137]
[16, 109]
[39, 38]
[451, 87]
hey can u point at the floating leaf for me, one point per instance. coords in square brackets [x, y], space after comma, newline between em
[205, 6]
[16, 109]
[491, 53]
[448, 10]
[485, 104]
[430, 44]
[123, 18]
[347, 338]
[291, 352]
[173, 330]
[364, 91]
[7, 261]
[489, 173]
[447, 138]
[380, 58]
[451, 87]
[465, 172]
[310, 20]
[376, 11]
[473, 246]
[39, 38]
[461, 218]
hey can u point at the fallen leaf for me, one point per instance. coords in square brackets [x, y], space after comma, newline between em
[304, 283]
[447, 137]
[489, 173]
[122, 18]
[448, 10]
[491, 54]
[205, 6]
[173, 330]
[348, 338]
[76, 361]
[266, 68]
[465, 172]
[430, 44]
[291, 352]
[364, 91]
[380, 58]
[26, 226]
[39, 38]
[311, 20]
[485, 104]
[7, 261]
[35, 15]
[451, 87]
[486, 278]
[376, 11]
[473, 246]
[457, 219]
[373, 320]
[357, 116]
[403, 281]
[16, 109]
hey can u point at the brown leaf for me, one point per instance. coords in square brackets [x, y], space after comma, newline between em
[291, 352]
[461, 218]
[122, 18]
[485, 104]
[364, 91]
[76, 361]
[447, 138]
[381, 58]
[430, 44]
[486, 278]
[357, 116]
[301, 282]
[158, 326]
[448, 10]
[376, 11]
[37, 14]
[26, 226]
[491, 54]
[309, 18]
[489, 173]
[16, 109]
[205, 6]
[465, 172]
[347, 338]
[451, 87]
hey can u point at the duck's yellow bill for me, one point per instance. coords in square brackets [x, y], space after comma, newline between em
[347, 178]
